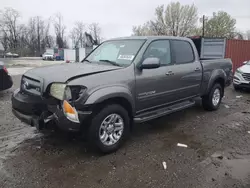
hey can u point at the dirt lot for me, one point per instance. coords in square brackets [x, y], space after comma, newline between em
[27, 62]
[218, 152]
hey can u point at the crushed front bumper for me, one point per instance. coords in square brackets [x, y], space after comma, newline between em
[35, 111]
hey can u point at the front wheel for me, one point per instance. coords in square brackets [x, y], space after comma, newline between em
[109, 128]
[213, 99]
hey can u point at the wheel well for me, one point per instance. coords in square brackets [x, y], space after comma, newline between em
[117, 100]
[121, 101]
[220, 81]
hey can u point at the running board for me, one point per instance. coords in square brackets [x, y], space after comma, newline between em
[163, 111]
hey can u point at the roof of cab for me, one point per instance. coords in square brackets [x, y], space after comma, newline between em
[150, 38]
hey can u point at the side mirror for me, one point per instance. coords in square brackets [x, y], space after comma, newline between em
[245, 62]
[150, 63]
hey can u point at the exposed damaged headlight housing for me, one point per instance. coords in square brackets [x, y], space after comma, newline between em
[76, 92]
[57, 90]
[62, 91]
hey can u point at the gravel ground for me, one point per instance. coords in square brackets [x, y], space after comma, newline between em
[27, 62]
[218, 152]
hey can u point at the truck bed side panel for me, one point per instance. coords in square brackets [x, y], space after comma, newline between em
[214, 69]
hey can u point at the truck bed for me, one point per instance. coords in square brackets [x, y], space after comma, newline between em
[216, 67]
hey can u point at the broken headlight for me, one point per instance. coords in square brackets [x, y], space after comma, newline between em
[74, 92]
[70, 93]
[57, 90]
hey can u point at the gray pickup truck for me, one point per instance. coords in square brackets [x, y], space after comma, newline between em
[122, 81]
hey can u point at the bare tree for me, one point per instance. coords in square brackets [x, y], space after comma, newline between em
[24, 49]
[77, 35]
[74, 38]
[4, 40]
[38, 37]
[80, 29]
[40, 32]
[80, 37]
[59, 30]
[10, 27]
[34, 37]
[48, 40]
[175, 20]
[95, 31]
[29, 39]
[31, 35]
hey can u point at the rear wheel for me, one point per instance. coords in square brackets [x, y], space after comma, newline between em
[236, 87]
[213, 99]
[109, 128]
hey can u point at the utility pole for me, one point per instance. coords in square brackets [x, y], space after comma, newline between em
[203, 25]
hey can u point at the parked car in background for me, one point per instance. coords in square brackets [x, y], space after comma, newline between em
[15, 55]
[47, 56]
[11, 55]
[242, 76]
[124, 80]
[5, 79]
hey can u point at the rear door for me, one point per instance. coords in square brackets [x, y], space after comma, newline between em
[186, 72]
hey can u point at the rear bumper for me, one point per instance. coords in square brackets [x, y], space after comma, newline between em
[34, 111]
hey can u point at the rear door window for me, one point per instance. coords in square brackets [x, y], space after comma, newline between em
[183, 51]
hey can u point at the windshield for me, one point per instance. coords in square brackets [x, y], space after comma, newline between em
[116, 52]
[248, 62]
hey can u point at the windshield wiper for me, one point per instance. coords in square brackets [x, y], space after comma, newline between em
[86, 60]
[110, 62]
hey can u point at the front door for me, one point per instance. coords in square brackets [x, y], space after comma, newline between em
[152, 84]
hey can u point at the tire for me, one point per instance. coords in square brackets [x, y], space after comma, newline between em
[96, 131]
[236, 88]
[207, 101]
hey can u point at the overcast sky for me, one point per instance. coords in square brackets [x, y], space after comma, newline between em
[116, 17]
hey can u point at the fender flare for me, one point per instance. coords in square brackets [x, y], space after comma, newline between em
[216, 74]
[110, 92]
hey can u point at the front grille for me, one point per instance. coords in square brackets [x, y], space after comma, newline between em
[246, 76]
[30, 85]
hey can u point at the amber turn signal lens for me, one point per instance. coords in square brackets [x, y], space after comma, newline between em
[70, 112]
[68, 108]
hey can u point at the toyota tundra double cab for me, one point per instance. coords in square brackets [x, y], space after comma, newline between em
[121, 82]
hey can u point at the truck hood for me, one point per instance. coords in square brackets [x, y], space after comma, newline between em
[245, 68]
[66, 72]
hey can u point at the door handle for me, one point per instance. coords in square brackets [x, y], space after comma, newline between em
[197, 69]
[169, 73]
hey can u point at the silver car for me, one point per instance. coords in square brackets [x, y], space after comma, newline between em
[47, 56]
[242, 76]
